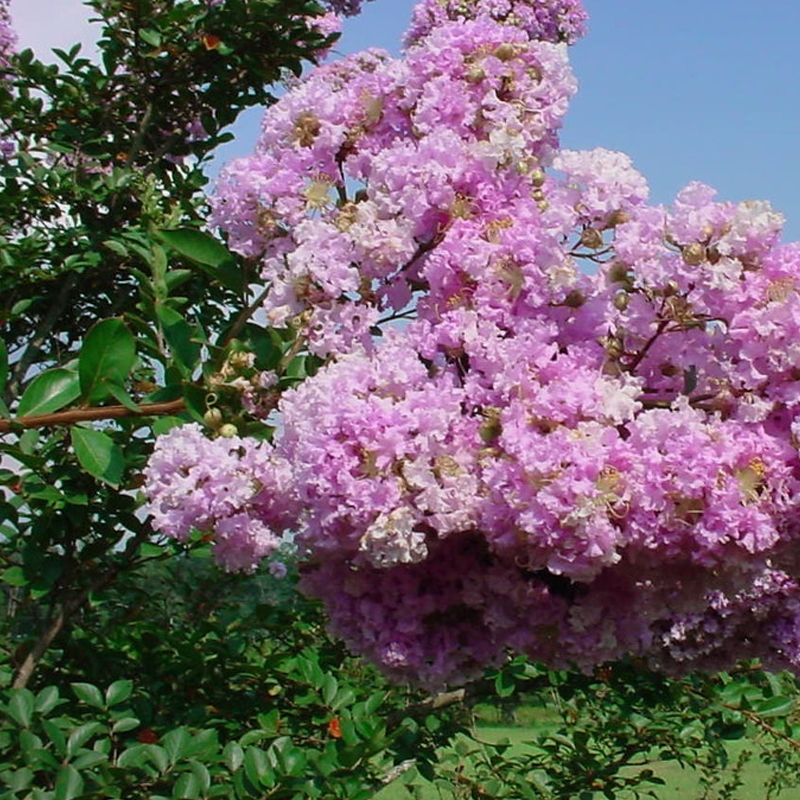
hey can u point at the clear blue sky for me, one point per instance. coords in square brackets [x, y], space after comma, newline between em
[691, 89]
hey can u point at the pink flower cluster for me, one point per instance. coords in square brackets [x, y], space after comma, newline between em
[8, 38]
[582, 443]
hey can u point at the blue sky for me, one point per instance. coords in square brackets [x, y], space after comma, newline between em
[691, 89]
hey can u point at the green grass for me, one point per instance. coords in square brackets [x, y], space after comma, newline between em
[681, 783]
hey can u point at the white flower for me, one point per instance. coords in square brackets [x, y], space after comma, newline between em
[392, 540]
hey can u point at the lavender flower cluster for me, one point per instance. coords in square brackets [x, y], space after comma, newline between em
[8, 38]
[583, 440]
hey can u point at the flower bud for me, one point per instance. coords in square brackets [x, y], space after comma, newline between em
[505, 52]
[619, 273]
[475, 74]
[538, 177]
[591, 238]
[213, 418]
[618, 217]
[621, 301]
[228, 431]
[694, 254]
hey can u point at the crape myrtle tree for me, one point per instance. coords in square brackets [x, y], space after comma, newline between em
[498, 402]
[581, 443]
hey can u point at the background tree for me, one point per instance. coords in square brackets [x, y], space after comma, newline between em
[104, 320]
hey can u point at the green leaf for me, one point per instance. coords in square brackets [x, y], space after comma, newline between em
[69, 783]
[125, 724]
[47, 700]
[99, 455]
[195, 397]
[107, 356]
[233, 755]
[19, 779]
[89, 759]
[187, 786]
[20, 707]
[118, 692]
[81, 735]
[329, 688]
[56, 735]
[344, 697]
[504, 684]
[150, 36]
[175, 744]
[208, 253]
[14, 576]
[120, 394]
[132, 756]
[178, 334]
[775, 707]
[50, 391]
[88, 693]
[158, 756]
[256, 765]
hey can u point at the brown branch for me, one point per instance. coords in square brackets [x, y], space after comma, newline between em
[40, 647]
[75, 415]
[641, 354]
[437, 701]
[765, 726]
[244, 317]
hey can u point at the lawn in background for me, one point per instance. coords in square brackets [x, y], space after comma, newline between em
[682, 783]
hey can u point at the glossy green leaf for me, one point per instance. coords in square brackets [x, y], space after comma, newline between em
[19, 779]
[88, 693]
[120, 394]
[187, 787]
[233, 755]
[208, 253]
[775, 707]
[99, 455]
[81, 735]
[118, 692]
[88, 759]
[47, 699]
[256, 765]
[175, 744]
[133, 756]
[50, 391]
[107, 356]
[125, 724]
[150, 36]
[20, 707]
[69, 783]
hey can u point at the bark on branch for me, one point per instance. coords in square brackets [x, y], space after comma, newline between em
[75, 415]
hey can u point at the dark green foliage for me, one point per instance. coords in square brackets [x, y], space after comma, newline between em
[236, 692]
[116, 307]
